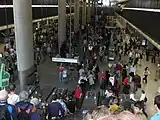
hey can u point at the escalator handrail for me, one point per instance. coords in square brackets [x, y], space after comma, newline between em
[33, 91]
[50, 93]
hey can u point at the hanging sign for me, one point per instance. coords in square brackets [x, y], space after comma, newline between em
[4, 77]
[65, 60]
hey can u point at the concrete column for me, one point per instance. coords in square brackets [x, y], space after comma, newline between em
[84, 12]
[61, 22]
[24, 40]
[76, 16]
[89, 12]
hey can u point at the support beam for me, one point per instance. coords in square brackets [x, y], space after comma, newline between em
[76, 16]
[89, 12]
[24, 41]
[61, 22]
[84, 13]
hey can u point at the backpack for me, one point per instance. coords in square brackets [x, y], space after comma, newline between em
[25, 114]
[5, 113]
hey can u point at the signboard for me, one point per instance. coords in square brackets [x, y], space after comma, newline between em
[4, 77]
[65, 60]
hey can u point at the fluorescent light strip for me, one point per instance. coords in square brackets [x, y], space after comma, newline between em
[34, 6]
[142, 9]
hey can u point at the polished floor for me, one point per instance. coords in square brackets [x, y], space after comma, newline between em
[151, 87]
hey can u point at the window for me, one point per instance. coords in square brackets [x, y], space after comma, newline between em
[106, 2]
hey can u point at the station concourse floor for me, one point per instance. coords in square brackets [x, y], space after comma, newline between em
[49, 79]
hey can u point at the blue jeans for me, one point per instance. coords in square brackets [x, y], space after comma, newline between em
[60, 76]
[65, 80]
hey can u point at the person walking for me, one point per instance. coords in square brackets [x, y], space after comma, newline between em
[91, 80]
[145, 74]
[78, 96]
[60, 71]
[143, 100]
[64, 76]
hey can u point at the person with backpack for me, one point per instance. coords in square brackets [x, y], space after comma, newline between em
[7, 111]
[26, 110]
[54, 109]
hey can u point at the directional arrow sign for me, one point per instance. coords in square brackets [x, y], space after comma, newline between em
[4, 76]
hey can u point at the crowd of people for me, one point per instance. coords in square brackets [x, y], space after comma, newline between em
[117, 85]
[120, 81]
[22, 106]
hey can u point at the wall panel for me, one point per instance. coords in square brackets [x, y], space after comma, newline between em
[36, 12]
[148, 22]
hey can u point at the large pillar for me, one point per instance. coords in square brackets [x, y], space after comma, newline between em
[76, 16]
[24, 40]
[84, 13]
[61, 22]
[89, 12]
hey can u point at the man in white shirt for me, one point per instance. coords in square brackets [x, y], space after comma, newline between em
[82, 79]
[143, 96]
[59, 100]
[13, 98]
[132, 97]
[131, 72]
[108, 93]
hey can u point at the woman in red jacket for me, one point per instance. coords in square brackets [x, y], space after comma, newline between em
[78, 95]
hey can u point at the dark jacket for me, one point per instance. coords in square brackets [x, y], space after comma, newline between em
[71, 105]
[54, 109]
[126, 89]
[11, 110]
[25, 106]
